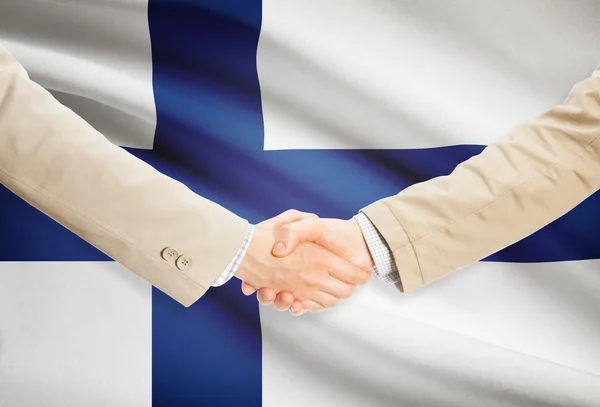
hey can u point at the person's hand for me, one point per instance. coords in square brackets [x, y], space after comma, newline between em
[312, 275]
[342, 237]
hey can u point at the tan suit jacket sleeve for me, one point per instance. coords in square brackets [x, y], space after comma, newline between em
[542, 170]
[59, 164]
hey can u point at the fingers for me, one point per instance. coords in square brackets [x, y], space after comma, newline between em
[328, 291]
[266, 296]
[334, 290]
[326, 300]
[284, 301]
[292, 234]
[247, 289]
[284, 218]
[298, 309]
[315, 276]
[347, 272]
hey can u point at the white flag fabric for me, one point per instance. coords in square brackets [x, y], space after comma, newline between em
[322, 106]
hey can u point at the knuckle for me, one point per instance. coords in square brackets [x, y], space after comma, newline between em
[332, 302]
[281, 307]
[318, 260]
[364, 276]
[347, 292]
[285, 300]
[307, 306]
[292, 212]
[309, 279]
[312, 306]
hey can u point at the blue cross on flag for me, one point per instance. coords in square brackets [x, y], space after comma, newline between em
[322, 106]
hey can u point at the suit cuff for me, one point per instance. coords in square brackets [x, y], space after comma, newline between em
[404, 255]
[233, 265]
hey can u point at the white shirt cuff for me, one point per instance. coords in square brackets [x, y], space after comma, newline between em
[385, 266]
[233, 265]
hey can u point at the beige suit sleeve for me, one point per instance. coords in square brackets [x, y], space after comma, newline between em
[59, 164]
[542, 170]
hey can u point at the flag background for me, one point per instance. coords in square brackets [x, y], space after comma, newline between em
[263, 106]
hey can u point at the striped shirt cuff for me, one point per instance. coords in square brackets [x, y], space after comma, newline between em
[385, 266]
[236, 261]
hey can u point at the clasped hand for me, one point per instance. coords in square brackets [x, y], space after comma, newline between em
[301, 262]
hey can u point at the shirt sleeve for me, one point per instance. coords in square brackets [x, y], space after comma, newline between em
[385, 266]
[236, 261]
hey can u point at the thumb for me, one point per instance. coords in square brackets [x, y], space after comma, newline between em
[292, 234]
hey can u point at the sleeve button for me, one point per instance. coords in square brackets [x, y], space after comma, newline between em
[183, 263]
[169, 254]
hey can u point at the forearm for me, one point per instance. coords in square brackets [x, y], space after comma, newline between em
[59, 164]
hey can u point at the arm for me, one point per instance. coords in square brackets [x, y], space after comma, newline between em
[59, 164]
[539, 172]
[155, 226]
[542, 170]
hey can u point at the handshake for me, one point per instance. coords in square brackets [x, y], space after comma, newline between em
[304, 263]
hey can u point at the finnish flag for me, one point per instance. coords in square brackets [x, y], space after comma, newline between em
[323, 106]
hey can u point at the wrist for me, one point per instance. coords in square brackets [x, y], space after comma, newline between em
[251, 270]
[364, 247]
